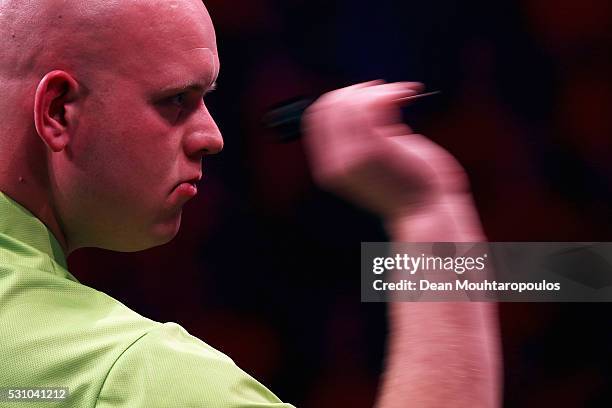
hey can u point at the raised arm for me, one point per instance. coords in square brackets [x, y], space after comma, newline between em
[439, 354]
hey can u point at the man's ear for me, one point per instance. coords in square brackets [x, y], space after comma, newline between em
[54, 114]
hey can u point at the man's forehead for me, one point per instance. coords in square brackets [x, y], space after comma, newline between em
[161, 21]
[212, 56]
[177, 46]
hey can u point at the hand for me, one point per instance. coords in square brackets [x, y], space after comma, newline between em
[359, 148]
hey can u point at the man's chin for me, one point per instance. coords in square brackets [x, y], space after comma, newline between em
[159, 234]
[165, 231]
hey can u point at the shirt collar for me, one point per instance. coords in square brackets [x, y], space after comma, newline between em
[21, 225]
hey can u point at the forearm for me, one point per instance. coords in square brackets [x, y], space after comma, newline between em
[441, 354]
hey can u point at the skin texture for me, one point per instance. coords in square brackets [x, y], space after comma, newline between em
[103, 116]
[99, 133]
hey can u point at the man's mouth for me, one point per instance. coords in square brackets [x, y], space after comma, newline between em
[191, 181]
[188, 187]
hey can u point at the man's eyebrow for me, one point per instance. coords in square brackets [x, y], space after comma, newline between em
[188, 86]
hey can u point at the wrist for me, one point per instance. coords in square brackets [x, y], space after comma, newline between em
[449, 217]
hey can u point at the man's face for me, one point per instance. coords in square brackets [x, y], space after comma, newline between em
[142, 130]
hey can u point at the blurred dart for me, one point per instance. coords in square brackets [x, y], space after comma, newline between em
[285, 119]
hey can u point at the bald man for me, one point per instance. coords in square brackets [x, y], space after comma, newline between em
[104, 128]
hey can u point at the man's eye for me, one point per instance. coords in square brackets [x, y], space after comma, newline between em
[172, 108]
[179, 99]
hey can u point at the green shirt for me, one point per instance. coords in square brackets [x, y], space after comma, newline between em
[56, 332]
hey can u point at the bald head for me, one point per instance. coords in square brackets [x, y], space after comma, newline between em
[99, 98]
[41, 35]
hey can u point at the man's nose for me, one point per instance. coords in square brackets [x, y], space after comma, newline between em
[204, 136]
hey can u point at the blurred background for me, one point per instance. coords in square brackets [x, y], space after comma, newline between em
[266, 266]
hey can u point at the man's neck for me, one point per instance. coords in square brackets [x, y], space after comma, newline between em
[23, 177]
[38, 205]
